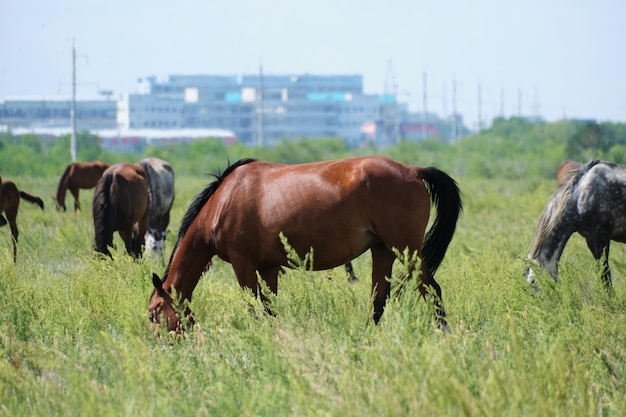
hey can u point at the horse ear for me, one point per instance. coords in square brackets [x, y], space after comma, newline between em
[156, 281]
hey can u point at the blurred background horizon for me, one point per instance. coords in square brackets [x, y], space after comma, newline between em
[552, 60]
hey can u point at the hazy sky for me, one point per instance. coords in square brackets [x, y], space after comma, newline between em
[562, 57]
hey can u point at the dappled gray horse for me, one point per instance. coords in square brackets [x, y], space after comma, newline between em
[160, 176]
[591, 201]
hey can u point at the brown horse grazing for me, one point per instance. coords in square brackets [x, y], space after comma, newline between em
[339, 209]
[78, 175]
[9, 204]
[120, 202]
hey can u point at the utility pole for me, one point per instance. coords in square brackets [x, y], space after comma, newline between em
[519, 103]
[444, 99]
[536, 103]
[480, 109]
[259, 99]
[389, 107]
[502, 102]
[453, 124]
[73, 109]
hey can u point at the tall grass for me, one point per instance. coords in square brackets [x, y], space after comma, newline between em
[75, 340]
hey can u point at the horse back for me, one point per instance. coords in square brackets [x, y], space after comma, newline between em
[356, 201]
[86, 175]
[601, 198]
[129, 190]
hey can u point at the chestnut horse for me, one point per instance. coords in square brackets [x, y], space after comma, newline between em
[337, 209]
[590, 201]
[78, 175]
[120, 203]
[9, 204]
[160, 176]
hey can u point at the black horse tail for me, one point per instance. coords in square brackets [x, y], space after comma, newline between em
[104, 214]
[62, 188]
[32, 199]
[445, 195]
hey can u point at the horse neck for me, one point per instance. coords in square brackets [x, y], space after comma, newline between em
[556, 225]
[184, 282]
[185, 269]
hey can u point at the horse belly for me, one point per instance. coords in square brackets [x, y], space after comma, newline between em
[333, 243]
[330, 250]
[602, 208]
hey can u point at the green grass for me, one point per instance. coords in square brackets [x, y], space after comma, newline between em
[75, 340]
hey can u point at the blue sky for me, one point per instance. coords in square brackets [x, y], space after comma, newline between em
[563, 58]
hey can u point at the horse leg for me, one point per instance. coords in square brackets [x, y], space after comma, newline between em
[11, 213]
[599, 247]
[427, 282]
[135, 243]
[247, 278]
[139, 236]
[246, 275]
[142, 228]
[14, 235]
[350, 270]
[382, 263]
[75, 192]
[270, 276]
[126, 233]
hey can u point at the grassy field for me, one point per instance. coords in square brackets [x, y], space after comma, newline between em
[75, 340]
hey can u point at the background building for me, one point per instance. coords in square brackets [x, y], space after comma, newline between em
[256, 109]
[41, 113]
[260, 109]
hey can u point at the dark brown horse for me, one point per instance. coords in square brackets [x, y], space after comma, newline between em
[120, 203]
[590, 201]
[9, 204]
[338, 209]
[77, 176]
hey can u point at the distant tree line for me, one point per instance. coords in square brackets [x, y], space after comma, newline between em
[511, 148]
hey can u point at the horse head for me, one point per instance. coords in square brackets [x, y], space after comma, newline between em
[58, 205]
[163, 309]
[155, 241]
[529, 271]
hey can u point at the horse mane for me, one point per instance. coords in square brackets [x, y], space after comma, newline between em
[557, 204]
[199, 202]
[62, 184]
[102, 222]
